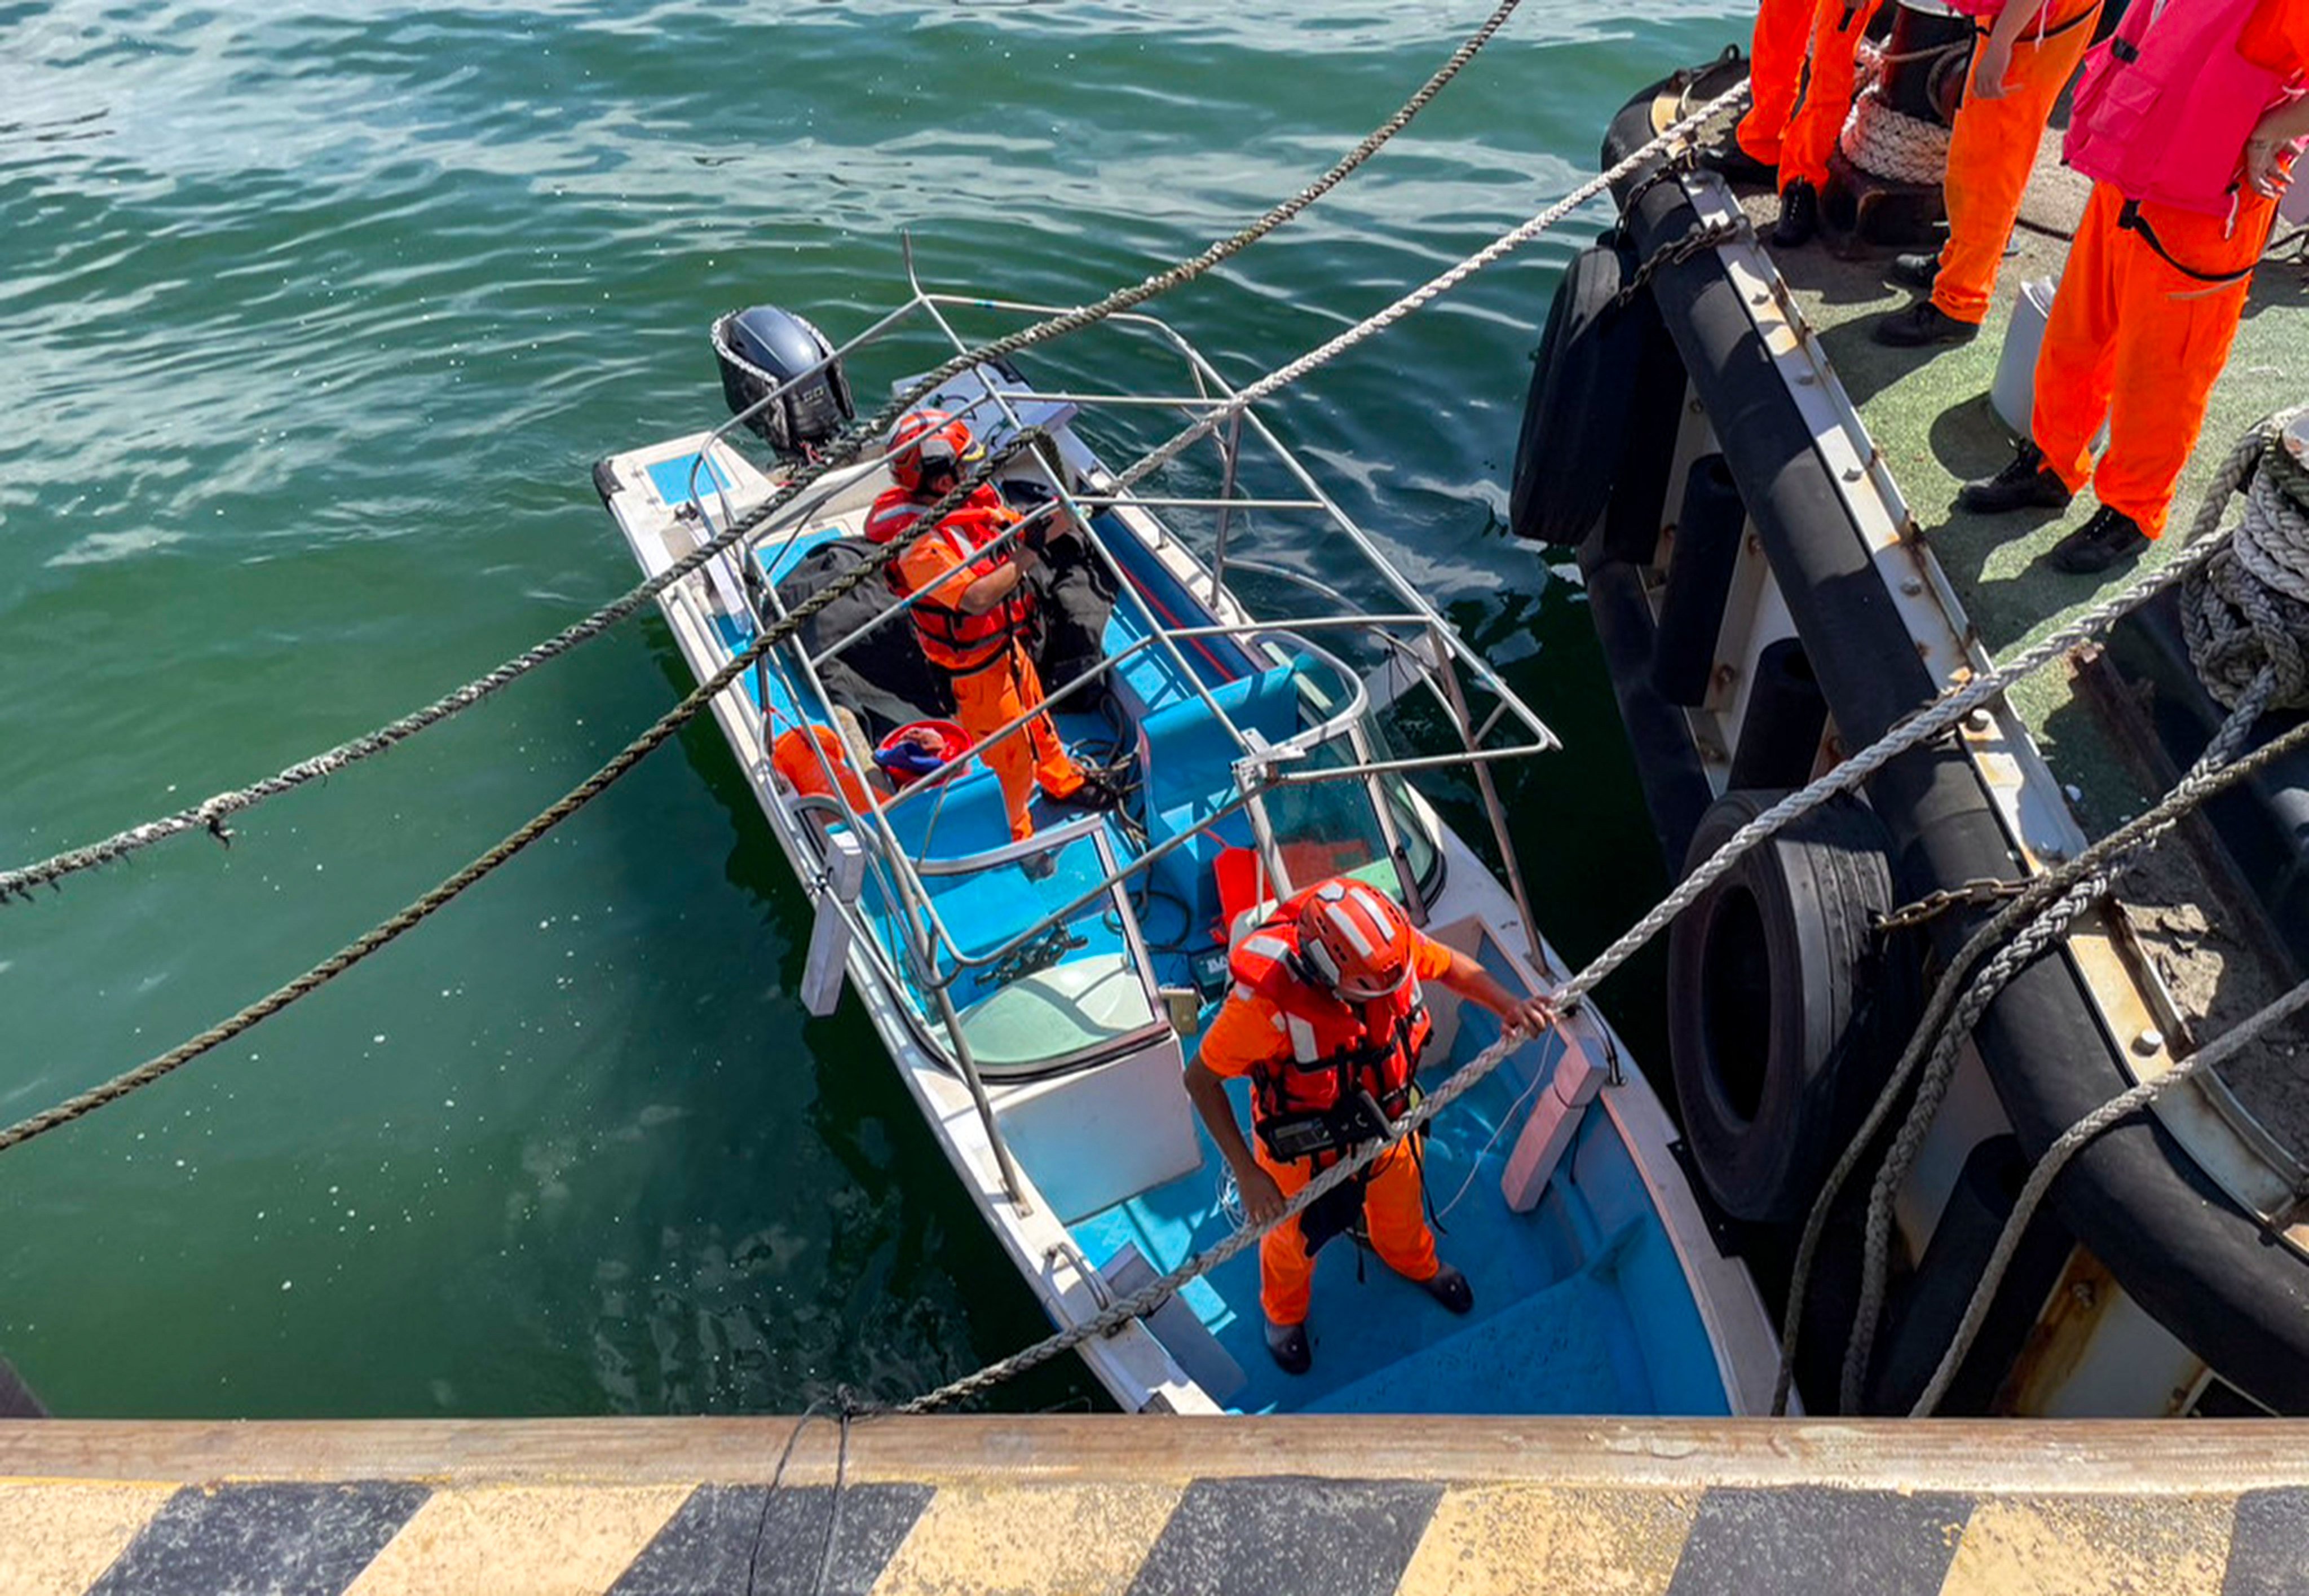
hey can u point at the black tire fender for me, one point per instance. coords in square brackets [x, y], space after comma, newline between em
[1786, 1010]
[1575, 415]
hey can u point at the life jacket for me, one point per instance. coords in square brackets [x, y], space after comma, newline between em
[953, 639]
[1349, 1064]
[2166, 104]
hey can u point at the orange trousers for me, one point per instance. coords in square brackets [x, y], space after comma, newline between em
[1826, 100]
[1776, 59]
[1990, 153]
[2139, 344]
[1394, 1201]
[990, 698]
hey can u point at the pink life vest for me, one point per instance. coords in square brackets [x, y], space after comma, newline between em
[2164, 107]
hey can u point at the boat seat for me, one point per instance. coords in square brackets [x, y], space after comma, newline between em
[1189, 763]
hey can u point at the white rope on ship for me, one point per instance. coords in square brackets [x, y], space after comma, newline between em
[1892, 144]
[1923, 727]
[2250, 604]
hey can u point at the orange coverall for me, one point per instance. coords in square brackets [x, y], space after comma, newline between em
[1776, 60]
[988, 696]
[2135, 342]
[1992, 151]
[1826, 100]
[1247, 1036]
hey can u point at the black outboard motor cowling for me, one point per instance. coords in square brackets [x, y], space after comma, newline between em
[765, 349]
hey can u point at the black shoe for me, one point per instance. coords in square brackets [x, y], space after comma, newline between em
[1799, 222]
[2111, 538]
[1735, 165]
[1918, 271]
[2027, 483]
[1096, 792]
[1448, 1287]
[1922, 325]
[1287, 1344]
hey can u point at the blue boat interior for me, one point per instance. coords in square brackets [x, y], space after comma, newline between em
[1581, 1304]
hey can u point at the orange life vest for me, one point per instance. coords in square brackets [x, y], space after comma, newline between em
[953, 639]
[1351, 1064]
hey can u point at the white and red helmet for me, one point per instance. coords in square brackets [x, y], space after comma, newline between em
[1354, 939]
[932, 443]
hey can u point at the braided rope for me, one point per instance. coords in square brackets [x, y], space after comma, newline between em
[2204, 540]
[210, 813]
[1925, 725]
[2066, 1146]
[1891, 143]
[674, 719]
[576, 799]
[2087, 880]
[2248, 610]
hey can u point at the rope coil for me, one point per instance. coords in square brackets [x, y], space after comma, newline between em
[2248, 609]
[1892, 144]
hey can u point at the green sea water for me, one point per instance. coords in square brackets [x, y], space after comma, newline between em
[313, 320]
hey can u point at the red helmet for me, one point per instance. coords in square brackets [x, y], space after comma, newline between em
[1354, 939]
[930, 443]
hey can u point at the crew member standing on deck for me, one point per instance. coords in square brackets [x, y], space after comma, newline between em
[973, 619]
[1329, 1020]
[2022, 63]
[2188, 119]
[1802, 68]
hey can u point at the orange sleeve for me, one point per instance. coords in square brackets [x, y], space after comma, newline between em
[1428, 957]
[931, 568]
[2278, 37]
[1245, 1034]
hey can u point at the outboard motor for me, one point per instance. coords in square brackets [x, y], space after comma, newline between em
[764, 350]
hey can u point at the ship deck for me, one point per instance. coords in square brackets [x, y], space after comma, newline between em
[1928, 412]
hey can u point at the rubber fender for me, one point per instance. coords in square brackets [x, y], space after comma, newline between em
[1575, 415]
[1785, 1009]
[1705, 552]
[1779, 733]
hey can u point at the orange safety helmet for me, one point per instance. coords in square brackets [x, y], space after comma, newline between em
[929, 443]
[1354, 940]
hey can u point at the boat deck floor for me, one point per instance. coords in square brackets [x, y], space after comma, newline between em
[1928, 410]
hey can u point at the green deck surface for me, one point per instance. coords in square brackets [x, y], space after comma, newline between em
[1929, 411]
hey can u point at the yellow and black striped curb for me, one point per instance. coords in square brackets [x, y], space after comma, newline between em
[1270, 1507]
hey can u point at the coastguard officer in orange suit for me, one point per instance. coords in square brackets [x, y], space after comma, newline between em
[2027, 56]
[975, 611]
[1327, 1019]
[2156, 280]
[1802, 68]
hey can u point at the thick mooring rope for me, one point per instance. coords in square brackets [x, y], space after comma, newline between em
[2066, 1146]
[212, 813]
[2015, 934]
[1923, 727]
[673, 720]
[1891, 143]
[2248, 608]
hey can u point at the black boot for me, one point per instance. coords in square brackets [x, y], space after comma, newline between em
[1287, 1343]
[2027, 483]
[2111, 538]
[1448, 1287]
[1918, 271]
[1799, 222]
[1921, 326]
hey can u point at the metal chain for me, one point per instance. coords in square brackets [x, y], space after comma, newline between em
[847, 447]
[1979, 892]
[1927, 724]
[1676, 253]
[2206, 538]
[2066, 1146]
